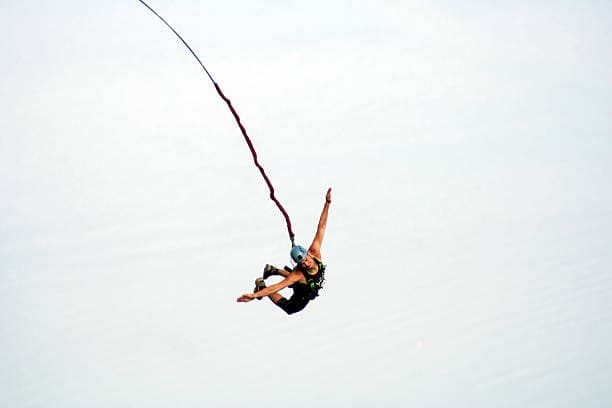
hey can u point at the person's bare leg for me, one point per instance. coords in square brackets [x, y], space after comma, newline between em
[271, 270]
[275, 297]
[283, 272]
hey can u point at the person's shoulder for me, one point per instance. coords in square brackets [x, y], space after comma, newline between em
[314, 252]
[317, 258]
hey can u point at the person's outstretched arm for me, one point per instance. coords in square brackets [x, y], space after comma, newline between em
[315, 247]
[289, 280]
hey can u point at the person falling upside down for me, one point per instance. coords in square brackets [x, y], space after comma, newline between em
[306, 279]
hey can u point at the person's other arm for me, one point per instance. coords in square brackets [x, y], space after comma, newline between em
[288, 281]
[315, 247]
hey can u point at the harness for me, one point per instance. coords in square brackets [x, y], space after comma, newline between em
[314, 283]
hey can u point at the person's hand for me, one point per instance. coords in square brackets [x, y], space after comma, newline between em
[247, 297]
[328, 195]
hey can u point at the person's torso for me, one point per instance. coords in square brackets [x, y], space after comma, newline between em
[312, 282]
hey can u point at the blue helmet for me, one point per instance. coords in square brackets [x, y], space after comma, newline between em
[298, 253]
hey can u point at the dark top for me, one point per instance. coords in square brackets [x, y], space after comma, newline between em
[314, 283]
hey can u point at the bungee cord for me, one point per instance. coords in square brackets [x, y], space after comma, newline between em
[240, 125]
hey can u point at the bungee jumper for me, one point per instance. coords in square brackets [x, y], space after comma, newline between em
[306, 279]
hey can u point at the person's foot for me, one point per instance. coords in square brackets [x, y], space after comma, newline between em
[269, 270]
[259, 285]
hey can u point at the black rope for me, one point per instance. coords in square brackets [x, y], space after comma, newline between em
[180, 38]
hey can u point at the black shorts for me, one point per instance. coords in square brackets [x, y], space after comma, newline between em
[294, 304]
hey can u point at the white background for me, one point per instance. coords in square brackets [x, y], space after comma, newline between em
[468, 145]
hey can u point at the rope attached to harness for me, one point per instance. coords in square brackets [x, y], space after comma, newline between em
[242, 128]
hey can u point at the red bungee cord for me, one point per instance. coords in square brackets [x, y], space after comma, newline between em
[242, 128]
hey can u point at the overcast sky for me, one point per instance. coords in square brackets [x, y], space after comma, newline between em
[469, 148]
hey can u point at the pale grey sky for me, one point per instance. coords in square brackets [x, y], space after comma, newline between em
[468, 145]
